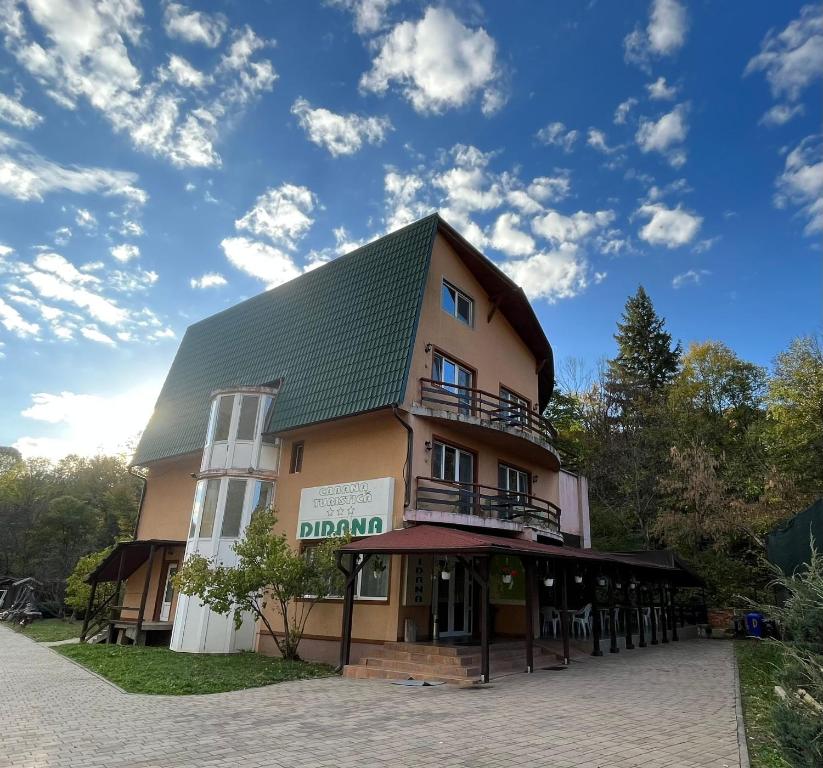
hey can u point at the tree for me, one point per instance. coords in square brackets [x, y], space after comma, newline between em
[267, 570]
[78, 591]
[646, 361]
[62, 534]
[795, 412]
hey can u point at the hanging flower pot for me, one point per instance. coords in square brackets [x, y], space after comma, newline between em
[548, 581]
[445, 575]
[507, 578]
[601, 581]
[578, 579]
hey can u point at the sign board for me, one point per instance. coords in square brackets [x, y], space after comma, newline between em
[359, 508]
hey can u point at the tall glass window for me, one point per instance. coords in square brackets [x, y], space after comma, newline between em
[197, 509]
[248, 417]
[209, 508]
[223, 420]
[233, 509]
[263, 496]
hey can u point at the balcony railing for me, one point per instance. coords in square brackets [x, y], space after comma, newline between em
[492, 409]
[487, 502]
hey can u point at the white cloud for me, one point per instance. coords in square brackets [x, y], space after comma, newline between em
[12, 111]
[780, 114]
[621, 114]
[92, 333]
[438, 64]
[669, 227]
[194, 26]
[125, 252]
[401, 199]
[664, 34]
[26, 175]
[5, 250]
[260, 260]
[85, 219]
[691, 277]
[87, 424]
[557, 135]
[801, 182]
[660, 90]
[561, 229]
[509, 238]
[282, 214]
[665, 135]
[596, 139]
[551, 275]
[14, 322]
[132, 282]
[208, 280]
[369, 15]
[79, 51]
[340, 134]
[792, 58]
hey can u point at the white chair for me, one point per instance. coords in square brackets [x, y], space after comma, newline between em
[581, 620]
[551, 619]
[647, 620]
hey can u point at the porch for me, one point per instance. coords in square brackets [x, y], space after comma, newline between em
[563, 589]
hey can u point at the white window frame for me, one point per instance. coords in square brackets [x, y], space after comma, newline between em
[357, 586]
[457, 293]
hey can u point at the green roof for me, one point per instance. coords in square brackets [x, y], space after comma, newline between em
[339, 337]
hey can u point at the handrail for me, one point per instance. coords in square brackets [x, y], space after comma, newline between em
[488, 407]
[486, 501]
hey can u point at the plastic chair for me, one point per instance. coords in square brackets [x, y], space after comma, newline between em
[581, 620]
[551, 619]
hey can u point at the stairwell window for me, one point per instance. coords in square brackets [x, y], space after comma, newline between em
[296, 464]
[457, 303]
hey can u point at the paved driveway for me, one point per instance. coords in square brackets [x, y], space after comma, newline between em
[668, 706]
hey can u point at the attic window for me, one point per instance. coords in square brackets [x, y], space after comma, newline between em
[457, 304]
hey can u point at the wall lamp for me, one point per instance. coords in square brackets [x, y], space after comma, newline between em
[428, 445]
[427, 348]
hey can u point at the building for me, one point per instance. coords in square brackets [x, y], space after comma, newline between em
[400, 385]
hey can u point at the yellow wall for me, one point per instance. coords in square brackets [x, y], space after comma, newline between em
[168, 499]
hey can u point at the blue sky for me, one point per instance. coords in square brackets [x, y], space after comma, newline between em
[159, 162]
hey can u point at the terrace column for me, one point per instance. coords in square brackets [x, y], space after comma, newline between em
[348, 605]
[564, 611]
[675, 638]
[596, 626]
[484, 619]
[528, 575]
[612, 623]
[652, 614]
[641, 625]
[664, 637]
[627, 617]
[139, 639]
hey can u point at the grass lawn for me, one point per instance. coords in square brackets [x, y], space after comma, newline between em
[756, 661]
[50, 630]
[161, 671]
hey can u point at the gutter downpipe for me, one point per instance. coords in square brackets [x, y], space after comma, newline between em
[409, 446]
[142, 499]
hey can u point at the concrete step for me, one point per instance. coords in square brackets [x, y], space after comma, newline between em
[413, 668]
[358, 672]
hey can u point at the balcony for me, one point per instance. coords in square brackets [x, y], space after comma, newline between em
[473, 504]
[528, 432]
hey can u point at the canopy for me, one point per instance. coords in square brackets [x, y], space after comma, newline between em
[133, 553]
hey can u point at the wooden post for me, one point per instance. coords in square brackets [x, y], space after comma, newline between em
[641, 624]
[564, 612]
[664, 638]
[528, 575]
[627, 616]
[653, 615]
[88, 612]
[484, 620]
[597, 627]
[348, 605]
[612, 623]
[675, 638]
[138, 637]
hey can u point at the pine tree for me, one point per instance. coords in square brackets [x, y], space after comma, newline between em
[646, 361]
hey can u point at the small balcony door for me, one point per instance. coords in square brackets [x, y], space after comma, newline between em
[452, 600]
[455, 378]
[455, 466]
[514, 485]
[168, 593]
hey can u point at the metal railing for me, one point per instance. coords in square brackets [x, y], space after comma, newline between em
[495, 410]
[486, 501]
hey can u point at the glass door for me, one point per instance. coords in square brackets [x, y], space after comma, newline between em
[453, 600]
[168, 593]
[456, 466]
[454, 378]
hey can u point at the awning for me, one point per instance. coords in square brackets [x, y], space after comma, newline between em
[133, 553]
[441, 540]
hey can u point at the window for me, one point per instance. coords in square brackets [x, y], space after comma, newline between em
[456, 466]
[233, 508]
[296, 464]
[514, 481]
[263, 496]
[248, 417]
[371, 584]
[455, 378]
[515, 409]
[223, 420]
[209, 508]
[457, 304]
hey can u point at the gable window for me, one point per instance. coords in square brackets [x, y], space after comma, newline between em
[234, 417]
[514, 409]
[296, 464]
[456, 303]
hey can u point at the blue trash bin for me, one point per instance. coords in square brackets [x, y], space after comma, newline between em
[754, 624]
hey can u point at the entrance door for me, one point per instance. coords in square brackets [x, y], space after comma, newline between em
[168, 593]
[453, 600]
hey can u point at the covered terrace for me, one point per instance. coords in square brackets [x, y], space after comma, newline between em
[633, 581]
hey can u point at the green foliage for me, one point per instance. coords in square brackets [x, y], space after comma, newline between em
[50, 630]
[166, 673]
[78, 591]
[267, 570]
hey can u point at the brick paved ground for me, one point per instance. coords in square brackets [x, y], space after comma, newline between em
[670, 706]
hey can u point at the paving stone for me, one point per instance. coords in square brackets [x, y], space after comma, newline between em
[671, 705]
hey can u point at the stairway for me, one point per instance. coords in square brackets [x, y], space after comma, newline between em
[455, 664]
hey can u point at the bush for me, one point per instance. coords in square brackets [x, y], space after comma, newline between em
[798, 715]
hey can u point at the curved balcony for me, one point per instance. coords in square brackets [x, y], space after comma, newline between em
[478, 409]
[483, 505]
